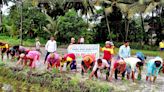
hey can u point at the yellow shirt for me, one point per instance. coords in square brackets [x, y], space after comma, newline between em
[68, 59]
[111, 50]
[161, 44]
[62, 63]
[5, 46]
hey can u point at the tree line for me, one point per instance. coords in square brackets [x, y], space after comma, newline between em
[117, 20]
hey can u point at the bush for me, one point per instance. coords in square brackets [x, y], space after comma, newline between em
[71, 25]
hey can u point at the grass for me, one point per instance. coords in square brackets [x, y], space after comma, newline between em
[15, 41]
[146, 52]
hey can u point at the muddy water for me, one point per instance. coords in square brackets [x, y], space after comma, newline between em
[122, 86]
[10, 85]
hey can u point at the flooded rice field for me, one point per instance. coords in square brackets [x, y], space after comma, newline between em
[14, 84]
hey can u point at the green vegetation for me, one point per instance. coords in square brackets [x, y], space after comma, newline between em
[49, 82]
[114, 21]
[139, 21]
[146, 52]
[71, 24]
[15, 41]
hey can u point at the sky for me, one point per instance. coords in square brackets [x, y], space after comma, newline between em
[5, 9]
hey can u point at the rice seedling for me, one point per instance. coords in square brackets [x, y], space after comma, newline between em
[62, 82]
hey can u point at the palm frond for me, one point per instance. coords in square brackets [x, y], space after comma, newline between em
[52, 27]
[46, 30]
[49, 19]
[151, 6]
[127, 1]
[35, 2]
[108, 10]
[123, 7]
[5, 2]
[136, 8]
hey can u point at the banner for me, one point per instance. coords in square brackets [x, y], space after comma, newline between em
[84, 49]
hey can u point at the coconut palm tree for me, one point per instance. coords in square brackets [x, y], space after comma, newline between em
[129, 8]
[52, 27]
[86, 7]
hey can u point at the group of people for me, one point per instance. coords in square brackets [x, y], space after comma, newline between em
[81, 40]
[121, 65]
[124, 63]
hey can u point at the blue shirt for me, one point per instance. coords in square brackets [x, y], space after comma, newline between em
[152, 70]
[124, 52]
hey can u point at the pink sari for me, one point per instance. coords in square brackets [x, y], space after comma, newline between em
[34, 57]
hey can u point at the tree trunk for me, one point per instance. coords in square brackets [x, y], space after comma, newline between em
[153, 29]
[87, 17]
[108, 27]
[126, 28]
[21, 27]
[161, 25]
[0, 18]
[143, 30]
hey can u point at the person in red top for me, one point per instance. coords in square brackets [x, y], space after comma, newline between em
[33, 56]
[87, 63]
[119, 67]
[22, 57]
[70, 60]
[108, 52]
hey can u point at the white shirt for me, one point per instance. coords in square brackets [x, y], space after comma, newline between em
[132, 61]
[51, 46]
[81, 40]
[104, 64]
[37, 45]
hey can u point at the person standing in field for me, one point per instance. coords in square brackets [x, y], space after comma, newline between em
[37, 45]
[72, 41]
[124, 50]
[81, 40]
[51, 47]
[161, 45]
[108, 52]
